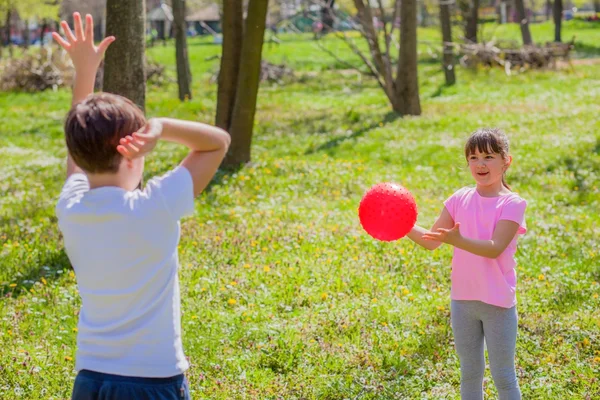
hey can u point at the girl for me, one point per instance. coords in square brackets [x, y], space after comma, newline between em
[482, 223]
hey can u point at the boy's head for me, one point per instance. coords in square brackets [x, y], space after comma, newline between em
[94, 127]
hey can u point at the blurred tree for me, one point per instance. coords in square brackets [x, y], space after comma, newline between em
[238, 87]
[523, 22]
[124, 69]
[557, 10]
[448, 56]
[400, 83]
[26, 10]
[184, 74]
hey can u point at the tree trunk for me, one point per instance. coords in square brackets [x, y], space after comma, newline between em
[233, 29]
[448, 58]
[557, 10]
[327, 15]
[407, 86]
[42, 29]
[548, 10]
[472, 22]
[242, 122]
[184, 75]
[124, 69]
[521, 13]
[7, 32]
[26, 36]
[597, 6]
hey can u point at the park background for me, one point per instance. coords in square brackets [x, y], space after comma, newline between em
[284, 296]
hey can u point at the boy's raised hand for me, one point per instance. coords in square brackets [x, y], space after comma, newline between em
[80, 46]
[141, 142]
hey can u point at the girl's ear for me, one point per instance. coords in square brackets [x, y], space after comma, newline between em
[507, 162]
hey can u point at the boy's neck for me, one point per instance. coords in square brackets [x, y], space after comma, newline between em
[108, 180]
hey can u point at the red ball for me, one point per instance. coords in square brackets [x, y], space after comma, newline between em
[387, 211]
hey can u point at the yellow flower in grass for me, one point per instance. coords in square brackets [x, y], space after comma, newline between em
[266, 268]
[324, 296]
[541, 277]
[44, 281]
[67, 358]
[12, 285]
[231, 301]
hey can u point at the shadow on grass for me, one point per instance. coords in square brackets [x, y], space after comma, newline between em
[440, 90]
[335, 142]
[46, 265]
[584, 50]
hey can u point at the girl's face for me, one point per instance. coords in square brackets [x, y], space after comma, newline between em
[488, 168]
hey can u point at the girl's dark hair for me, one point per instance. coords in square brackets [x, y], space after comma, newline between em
[94, 127]
[488, 140]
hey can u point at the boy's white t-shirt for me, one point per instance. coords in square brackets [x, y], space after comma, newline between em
[123, 248]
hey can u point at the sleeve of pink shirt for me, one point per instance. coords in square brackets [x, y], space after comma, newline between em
[451, 202]
[514, 210]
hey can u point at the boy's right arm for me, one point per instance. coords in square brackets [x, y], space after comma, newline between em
[208, 146]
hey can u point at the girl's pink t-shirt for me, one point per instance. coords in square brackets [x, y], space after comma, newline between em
[492, 281]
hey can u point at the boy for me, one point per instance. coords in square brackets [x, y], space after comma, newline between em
[122, 242]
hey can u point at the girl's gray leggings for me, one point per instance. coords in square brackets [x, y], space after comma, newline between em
[472, 321]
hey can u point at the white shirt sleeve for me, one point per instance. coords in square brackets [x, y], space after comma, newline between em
[75, 187]
[176, 189]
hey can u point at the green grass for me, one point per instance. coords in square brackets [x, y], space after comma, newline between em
[321, 310]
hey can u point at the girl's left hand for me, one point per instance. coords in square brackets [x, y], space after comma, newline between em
[449, 236]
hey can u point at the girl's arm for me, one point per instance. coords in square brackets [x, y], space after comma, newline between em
[417, 233]
[503, 234]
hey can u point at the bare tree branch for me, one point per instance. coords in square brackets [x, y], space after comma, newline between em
[366, 18]
[356, 50]
[385, 32]
[396, 10]
[344, 62]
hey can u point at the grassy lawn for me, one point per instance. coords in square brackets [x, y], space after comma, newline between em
[283, 295]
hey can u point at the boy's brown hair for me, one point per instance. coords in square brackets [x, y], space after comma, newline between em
[94, 127]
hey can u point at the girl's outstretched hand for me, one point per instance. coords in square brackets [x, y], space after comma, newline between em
[449, 236]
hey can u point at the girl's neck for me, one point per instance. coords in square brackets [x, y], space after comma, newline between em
[495, 190]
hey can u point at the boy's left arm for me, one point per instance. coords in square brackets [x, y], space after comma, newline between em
[86, 59]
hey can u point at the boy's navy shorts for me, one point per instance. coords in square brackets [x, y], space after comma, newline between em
[90, 385]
